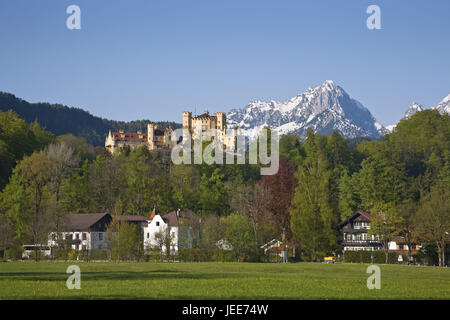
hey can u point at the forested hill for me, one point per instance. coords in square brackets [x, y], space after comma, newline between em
[60, 119]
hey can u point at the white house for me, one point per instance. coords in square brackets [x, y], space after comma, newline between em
[179, 227]
[86, 231]
[274, 246]
[81, 231]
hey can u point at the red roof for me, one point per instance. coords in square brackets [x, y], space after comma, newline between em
[366, 214]
[171, 218]
[152, 215]
[362, 213]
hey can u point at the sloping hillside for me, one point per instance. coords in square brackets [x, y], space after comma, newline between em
[60, 119]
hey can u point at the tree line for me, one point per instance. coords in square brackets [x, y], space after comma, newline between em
[403, 180]
[60, 119]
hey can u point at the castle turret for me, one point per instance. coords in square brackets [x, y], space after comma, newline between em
[150, 135]
[221, 121]
[187, 120]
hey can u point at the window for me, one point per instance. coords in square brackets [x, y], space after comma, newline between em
[148, 235]
[84, 236]
[100, 236]
[157, 223]
[77, 236]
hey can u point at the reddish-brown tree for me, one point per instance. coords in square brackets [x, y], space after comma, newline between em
[281, 187]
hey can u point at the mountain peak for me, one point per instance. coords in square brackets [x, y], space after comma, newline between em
[443, 106]
[325, 108]
[412, 109]
[329, 85]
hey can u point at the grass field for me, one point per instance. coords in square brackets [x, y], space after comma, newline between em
[47, 280]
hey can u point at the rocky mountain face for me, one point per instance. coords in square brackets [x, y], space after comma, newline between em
[325, 109]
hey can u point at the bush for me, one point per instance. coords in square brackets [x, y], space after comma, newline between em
[428, 255]
[152, 255]
[221, 255]
[98, 254]
[215, 255]
[14, 253]
[195, 255]
[64, 254]
[205, 255]
[366, 257]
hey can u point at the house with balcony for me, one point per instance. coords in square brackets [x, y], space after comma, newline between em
[355, 233]
[83, 231]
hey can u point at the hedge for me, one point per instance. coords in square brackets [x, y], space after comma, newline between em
[366, 257]
[204, 255]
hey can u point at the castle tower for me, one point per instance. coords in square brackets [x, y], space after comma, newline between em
[150, 135]
[221, 121]
[187, 120]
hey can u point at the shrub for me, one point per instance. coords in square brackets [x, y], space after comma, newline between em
[221, 255]
[14, 253]
[366, 257]
[98, 254]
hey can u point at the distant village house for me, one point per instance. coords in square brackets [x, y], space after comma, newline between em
[88, 231]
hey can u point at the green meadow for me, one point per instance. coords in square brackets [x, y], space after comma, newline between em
[131, 280]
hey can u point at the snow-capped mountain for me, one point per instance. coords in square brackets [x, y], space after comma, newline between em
[413, 108]
[390, 128]
[325, 109]
[444, 105]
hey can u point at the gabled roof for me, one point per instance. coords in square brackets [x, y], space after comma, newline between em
[132, 218]
[85, 221]
[81, 221]
[172, 217]
[152, 215]
[353, 216]
[272, 243]
[365, 214]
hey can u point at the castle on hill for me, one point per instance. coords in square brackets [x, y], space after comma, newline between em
[157, 138]
[154, 139]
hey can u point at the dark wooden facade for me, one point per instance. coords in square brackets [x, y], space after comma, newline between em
[355, 233]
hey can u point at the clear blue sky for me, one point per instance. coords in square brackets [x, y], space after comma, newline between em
[153, 59]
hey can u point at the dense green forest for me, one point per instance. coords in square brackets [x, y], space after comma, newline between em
[403, 180]
[60, 119]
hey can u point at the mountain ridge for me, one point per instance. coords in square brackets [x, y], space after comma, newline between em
[61, 119]
[325, 108]
[442, 107]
